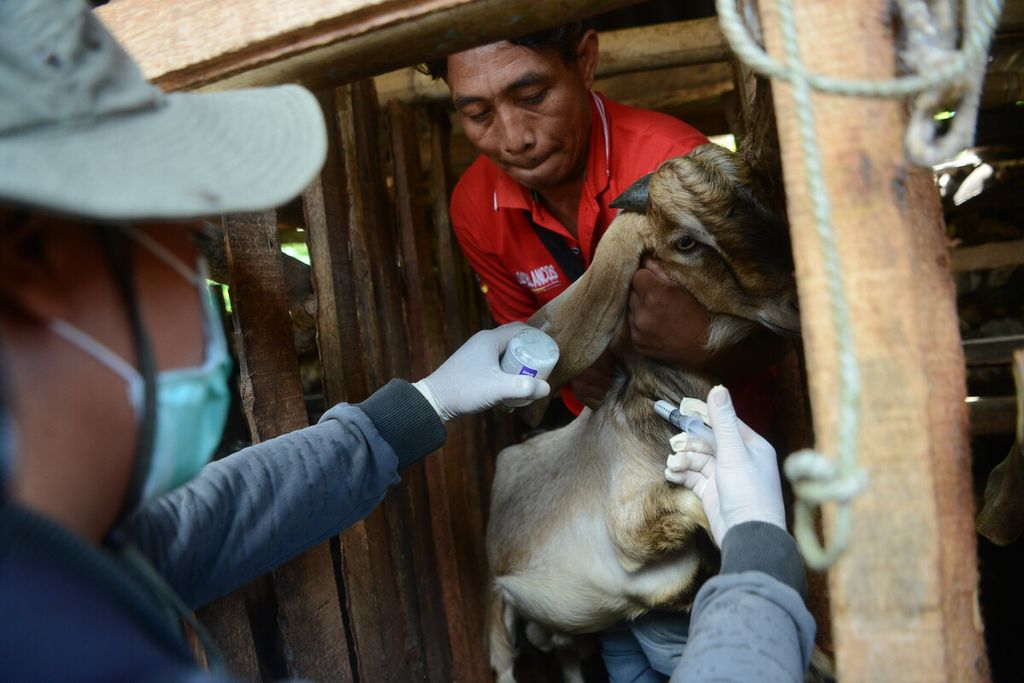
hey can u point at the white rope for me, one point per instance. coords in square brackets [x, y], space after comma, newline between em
[940, 70]
[940, 73]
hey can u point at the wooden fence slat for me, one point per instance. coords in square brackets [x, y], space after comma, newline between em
[310, 626]
[987, 256]
[350, 343]
[904, 594]
[450, 265]
[993, 350]
[453, 538]
[408, 509]
[993, 415]
[228, 623]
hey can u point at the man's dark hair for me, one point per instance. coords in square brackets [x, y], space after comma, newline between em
[562, 39]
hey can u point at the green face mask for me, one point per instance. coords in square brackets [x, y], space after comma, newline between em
[191, 403]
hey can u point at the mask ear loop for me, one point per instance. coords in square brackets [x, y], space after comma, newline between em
[7, 446]
[117, 250]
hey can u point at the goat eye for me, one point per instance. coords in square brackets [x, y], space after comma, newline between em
[685, 243]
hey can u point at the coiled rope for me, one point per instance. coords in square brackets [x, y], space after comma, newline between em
[939, 73]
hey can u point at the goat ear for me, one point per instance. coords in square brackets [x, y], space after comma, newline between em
[584, 319]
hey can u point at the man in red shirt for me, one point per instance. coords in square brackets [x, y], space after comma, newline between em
[554, 155]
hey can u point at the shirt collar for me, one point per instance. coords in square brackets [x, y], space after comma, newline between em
[508, 194]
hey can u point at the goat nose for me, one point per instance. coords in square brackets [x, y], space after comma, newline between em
[635, 197]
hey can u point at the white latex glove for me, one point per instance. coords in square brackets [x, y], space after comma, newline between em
[737, 481]
[471, 380]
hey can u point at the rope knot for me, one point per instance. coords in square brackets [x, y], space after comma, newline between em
[817, 479]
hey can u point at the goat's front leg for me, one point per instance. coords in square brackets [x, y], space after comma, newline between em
[653, 520]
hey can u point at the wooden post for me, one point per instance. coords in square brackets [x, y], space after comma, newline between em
[342, 217]
[455, 538]
[757, 141]
[228, 623]
[237, 43]
[313, 636]
[904, 595]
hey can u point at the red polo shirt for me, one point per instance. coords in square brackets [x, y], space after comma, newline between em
[488, 209]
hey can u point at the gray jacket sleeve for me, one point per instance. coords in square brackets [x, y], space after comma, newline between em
[252, 511]
[750, 622]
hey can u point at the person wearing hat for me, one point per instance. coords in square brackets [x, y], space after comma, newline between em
[113, 371]
[115, 367]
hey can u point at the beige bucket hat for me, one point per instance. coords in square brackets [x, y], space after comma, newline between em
[83, 133]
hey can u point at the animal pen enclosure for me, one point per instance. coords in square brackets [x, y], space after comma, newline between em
[398, 596]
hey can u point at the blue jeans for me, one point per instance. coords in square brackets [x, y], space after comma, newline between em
[646, 650]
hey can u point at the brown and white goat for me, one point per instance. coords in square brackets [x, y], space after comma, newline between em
[584, 529]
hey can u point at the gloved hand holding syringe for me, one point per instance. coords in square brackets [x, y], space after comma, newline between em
[691, 422]
[730, 467]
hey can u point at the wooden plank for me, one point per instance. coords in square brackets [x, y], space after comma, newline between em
[757, 141]
[659, 47]
[992, 351]
[987, 256]
[992, 415]
[460, 583]
[455, 304]
[350, 347]
[228, 624]
[904, 594]
[311, 628]
[320, 43]
[408, 509]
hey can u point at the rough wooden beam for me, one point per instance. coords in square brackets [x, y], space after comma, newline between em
[992, 351]
[313, 637]
[425, 321]
[987, 256]
[342, 219]
[993, 415]
[626, 51]
[904, 594]
[234, 43]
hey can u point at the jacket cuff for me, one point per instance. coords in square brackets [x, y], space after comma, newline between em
[764, 547]
[405, 420]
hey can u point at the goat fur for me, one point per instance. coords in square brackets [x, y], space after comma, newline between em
[584, 530]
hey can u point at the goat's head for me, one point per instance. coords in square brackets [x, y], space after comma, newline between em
[699, 216]
[716, 238]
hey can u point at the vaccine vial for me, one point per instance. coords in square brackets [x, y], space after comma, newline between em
[531, 352]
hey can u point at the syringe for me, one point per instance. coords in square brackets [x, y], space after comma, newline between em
[691, 424]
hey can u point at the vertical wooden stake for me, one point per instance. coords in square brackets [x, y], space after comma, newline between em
[446, 477]
[904, 595]
[313, 636]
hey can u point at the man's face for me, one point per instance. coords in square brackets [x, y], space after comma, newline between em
[526, 110]
[51, 268]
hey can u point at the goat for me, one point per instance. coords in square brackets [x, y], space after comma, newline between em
[584, 530]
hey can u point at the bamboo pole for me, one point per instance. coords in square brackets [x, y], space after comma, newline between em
[904, 595]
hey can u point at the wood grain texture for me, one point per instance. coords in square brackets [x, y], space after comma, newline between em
[228, 624]
[446, 481]
[350, 342]
[987, 256]
[904, 595]
[237, 43]
[310, 624]
[659, 47]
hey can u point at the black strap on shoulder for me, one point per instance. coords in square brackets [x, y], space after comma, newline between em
[571, 262]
